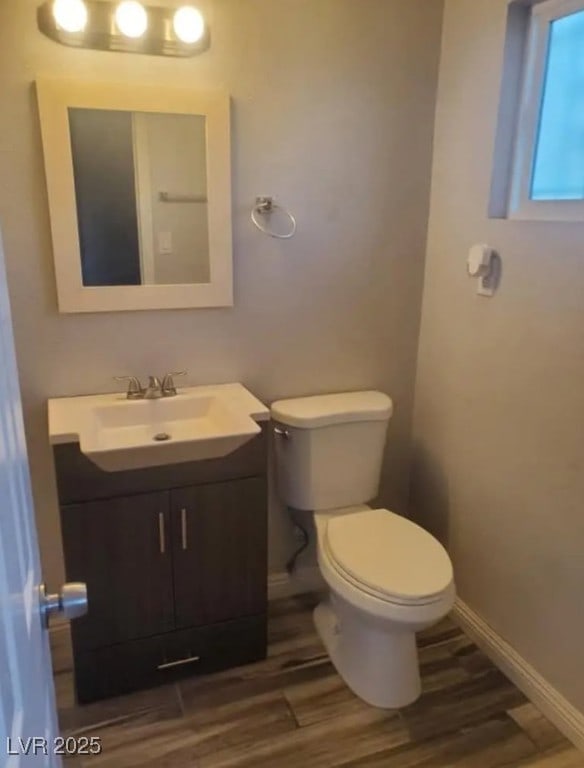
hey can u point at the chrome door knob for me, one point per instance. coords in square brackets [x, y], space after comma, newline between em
[71, 602]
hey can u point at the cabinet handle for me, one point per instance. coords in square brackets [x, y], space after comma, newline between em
[161, 533]
[179, 663]
[183, 528]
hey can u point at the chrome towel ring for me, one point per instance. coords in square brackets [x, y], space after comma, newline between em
[263, 207]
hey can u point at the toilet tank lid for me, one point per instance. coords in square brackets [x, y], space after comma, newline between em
[341, 408]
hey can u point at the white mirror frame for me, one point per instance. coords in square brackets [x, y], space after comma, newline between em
[55, 97]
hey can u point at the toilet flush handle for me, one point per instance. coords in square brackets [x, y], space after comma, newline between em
[283, 433]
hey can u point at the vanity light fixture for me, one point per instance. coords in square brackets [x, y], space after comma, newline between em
[70, 15]
[125, 26]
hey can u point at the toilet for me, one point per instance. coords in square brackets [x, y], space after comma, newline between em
[387, 577]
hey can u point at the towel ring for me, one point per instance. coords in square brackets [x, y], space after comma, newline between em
[263, 207]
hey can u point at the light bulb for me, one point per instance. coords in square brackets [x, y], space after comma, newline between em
[189, 24]
[70, 15]
[131, 18]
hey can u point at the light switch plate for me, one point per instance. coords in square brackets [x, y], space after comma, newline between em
[164, 243]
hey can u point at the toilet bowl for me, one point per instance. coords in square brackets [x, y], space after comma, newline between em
[388, 578]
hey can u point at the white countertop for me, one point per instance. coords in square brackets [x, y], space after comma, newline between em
[66, 413]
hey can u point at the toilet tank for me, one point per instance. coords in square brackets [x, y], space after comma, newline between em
[329, 448]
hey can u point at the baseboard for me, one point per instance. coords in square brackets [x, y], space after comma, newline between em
[284, 584]
[550, 701]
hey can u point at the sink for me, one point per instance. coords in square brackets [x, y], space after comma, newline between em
[118, 434]
[145, 433]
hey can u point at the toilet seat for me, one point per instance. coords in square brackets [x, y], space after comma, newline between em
[388, 556]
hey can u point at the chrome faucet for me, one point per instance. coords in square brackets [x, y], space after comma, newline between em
[155, 389]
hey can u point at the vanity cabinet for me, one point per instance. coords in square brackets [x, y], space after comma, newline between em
[175, 561]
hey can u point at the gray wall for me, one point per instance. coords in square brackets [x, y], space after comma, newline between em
[177, 159]
[333, 106]
[499, 417]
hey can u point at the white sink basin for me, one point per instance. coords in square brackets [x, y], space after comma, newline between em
[146, 433]
[119, 434]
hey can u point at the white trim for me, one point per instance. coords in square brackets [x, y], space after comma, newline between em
[143, 185]
[283, 584]
[551, 10]
[547, 698]
[550, 210]
[534, 71]
[55, 97]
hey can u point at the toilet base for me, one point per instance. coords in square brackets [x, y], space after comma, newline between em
[377, 660]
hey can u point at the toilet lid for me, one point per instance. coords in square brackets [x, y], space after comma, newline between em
[389, 555]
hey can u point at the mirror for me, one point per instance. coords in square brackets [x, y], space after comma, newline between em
[139, 195]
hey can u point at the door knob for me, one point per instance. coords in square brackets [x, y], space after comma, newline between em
[71, 602]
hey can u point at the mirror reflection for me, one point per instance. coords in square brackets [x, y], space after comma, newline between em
[141, 193]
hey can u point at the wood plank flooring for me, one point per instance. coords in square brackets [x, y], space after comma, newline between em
[293, 711]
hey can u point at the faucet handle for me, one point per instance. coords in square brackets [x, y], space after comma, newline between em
[168, 385]
[135, 391]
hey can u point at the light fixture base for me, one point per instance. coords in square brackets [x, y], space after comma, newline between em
[100, 34]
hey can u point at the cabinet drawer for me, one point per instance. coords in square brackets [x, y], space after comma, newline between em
[127, 667]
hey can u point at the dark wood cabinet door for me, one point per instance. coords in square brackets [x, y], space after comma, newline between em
[219, 536]
[121, 548]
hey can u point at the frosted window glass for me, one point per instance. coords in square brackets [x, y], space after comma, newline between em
[558, 172]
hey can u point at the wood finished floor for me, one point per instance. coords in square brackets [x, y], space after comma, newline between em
[293, 711]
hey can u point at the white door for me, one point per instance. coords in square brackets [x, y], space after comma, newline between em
[28, 722]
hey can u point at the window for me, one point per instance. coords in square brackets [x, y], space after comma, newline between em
[558, 170]
[548, 164]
